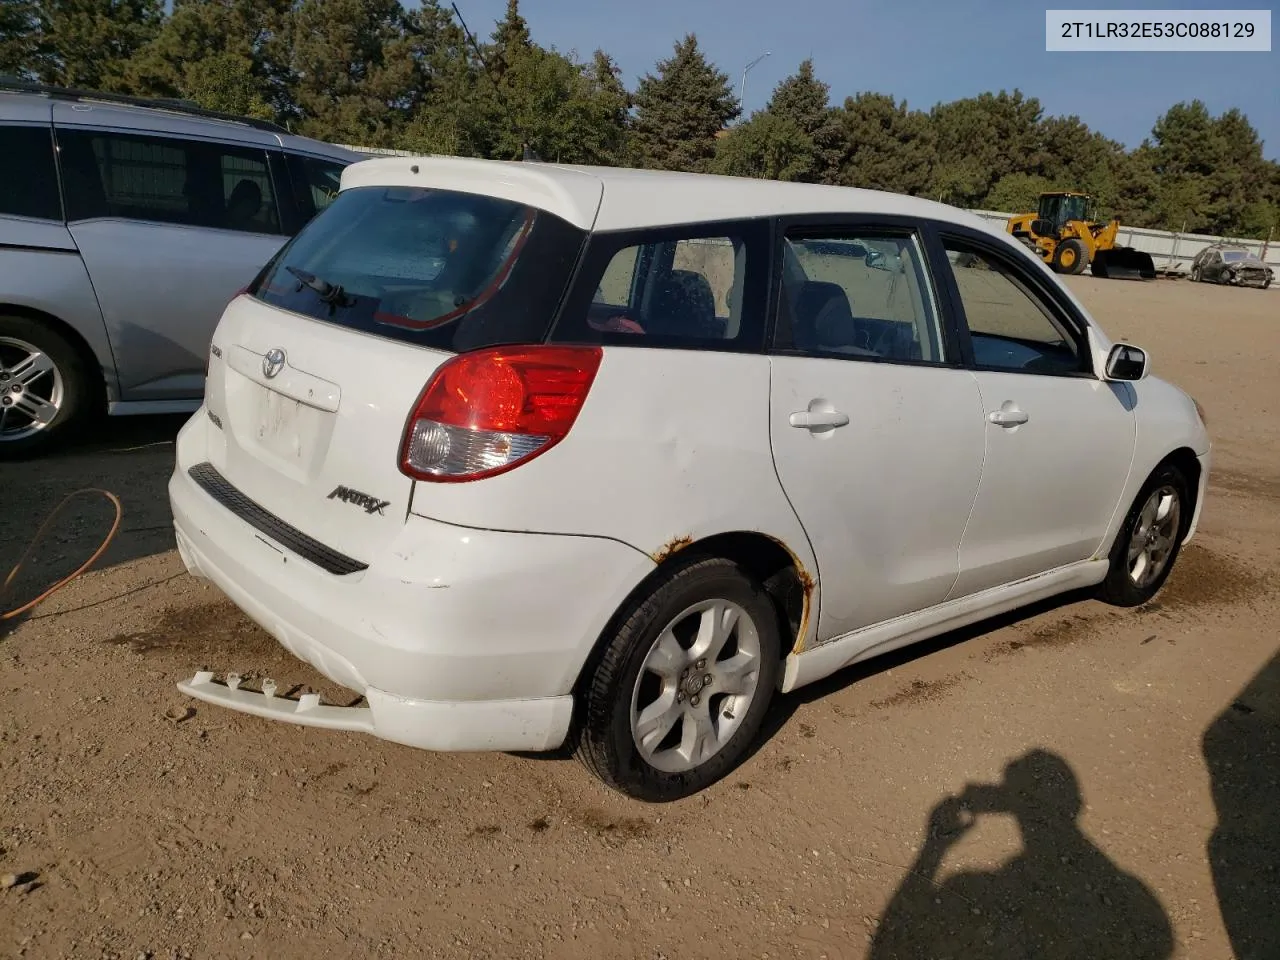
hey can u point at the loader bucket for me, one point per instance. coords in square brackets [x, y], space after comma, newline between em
[1123, 263]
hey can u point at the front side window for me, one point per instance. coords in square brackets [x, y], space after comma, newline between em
[27, 173]
[167, 179]
[1010, 327]
[315, 183]
[439, 268]
[863, 295]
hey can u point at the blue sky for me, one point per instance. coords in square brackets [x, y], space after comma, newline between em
[922, 51]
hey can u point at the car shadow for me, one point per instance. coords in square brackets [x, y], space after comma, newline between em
[784, 707]
[1242, 751]
[131, 457]
[1061, 896]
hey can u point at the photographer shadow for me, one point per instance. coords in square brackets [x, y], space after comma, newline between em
[1060, 897]
[1242, 751]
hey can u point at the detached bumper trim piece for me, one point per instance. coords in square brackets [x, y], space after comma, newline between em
[483, 725]
[307, 710]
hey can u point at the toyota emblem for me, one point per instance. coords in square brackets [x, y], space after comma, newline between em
[273, 362]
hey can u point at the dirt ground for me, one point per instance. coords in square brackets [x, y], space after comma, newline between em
[1100, 750]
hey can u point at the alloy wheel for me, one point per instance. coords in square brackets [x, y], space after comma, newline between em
[31, 389]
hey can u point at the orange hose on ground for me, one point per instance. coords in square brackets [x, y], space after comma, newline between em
[26, 554]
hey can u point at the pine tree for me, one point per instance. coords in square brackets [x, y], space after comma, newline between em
[90, 42]
[21, 38]
[610, 113]
[979, 140]
[220, 51]
[885, 145]
[511, 40]
[681, 110]
[356, 73]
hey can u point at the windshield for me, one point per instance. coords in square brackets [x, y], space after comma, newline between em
[435, 267]
[1231, 255]
[1059, 209]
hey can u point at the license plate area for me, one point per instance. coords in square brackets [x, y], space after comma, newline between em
[284, 433]
[280, 424]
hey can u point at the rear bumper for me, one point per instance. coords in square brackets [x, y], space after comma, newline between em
[459, 639]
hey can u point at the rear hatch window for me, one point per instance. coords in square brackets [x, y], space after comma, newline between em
[437, 268]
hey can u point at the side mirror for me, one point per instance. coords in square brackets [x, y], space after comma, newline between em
[875, 259]
[1127, 362]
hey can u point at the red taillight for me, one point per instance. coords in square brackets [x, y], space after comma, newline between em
[485, 412]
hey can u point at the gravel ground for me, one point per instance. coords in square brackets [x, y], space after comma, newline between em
[1123, 765]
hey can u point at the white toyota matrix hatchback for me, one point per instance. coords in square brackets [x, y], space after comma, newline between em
[533, 455]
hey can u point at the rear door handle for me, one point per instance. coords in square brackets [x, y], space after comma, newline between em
[818, 419]
[1008, 416]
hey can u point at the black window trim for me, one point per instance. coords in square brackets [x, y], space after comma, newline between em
[291, 216]
[53, 147]
[602, 245]
[868, 223]
[265, 148]
[287, 157]
[1038, 288]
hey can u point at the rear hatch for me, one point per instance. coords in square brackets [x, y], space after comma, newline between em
[315, 370]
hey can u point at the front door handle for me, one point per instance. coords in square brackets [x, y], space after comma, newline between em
[818, 419]
[1008, 416]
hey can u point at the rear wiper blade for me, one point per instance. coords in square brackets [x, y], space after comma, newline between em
[329, 292]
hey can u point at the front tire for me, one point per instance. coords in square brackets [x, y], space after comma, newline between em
[44, 388]
[1070, 257]
[679, 693]
[1148, 542]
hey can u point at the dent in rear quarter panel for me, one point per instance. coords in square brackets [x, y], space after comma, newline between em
[1166, 421]
[671, 447]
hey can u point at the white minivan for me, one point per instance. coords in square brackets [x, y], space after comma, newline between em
[533, 455]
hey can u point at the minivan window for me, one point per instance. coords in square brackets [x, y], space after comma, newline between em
[433, 267]
[315, 183]
[28, 174]
[167, 179]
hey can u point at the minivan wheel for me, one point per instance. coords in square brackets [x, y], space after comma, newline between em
[1148, 543]
[43, 387]
[679, 692]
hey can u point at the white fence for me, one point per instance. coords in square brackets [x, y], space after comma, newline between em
[1172, 252]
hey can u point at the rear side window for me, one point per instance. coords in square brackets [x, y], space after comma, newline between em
[27, 173]
[667, 289]
[859, 295]
[455, 271]
[169, 180]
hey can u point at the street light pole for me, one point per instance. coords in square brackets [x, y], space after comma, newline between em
[742, 90]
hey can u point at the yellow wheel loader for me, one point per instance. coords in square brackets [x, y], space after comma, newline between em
[1065, 235]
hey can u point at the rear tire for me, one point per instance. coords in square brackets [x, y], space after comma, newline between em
[652, 726]
[45, 391]
[1196, 276]
[1149, 540]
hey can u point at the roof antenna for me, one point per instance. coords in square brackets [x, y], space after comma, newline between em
[527, 153]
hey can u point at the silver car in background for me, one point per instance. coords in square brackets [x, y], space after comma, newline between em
[125, 228]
